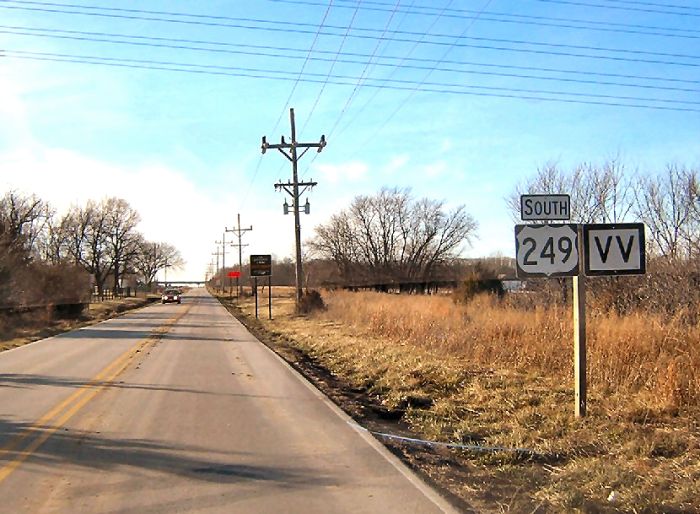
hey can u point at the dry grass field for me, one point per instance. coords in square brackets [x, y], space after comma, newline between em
[496, 379]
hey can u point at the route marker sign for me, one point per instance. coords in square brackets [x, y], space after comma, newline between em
[545, 207]
[546, 250]
[260, 265]
[614, 249]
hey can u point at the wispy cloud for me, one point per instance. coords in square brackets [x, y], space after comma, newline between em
[351, 171]
[396, 164]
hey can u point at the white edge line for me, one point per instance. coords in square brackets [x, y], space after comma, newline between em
[429, 492]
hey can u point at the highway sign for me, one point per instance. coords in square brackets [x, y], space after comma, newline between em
[260, 265]
[545, 207]
[614, 249]
[546, 250]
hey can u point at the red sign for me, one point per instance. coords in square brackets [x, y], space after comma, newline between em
[234, 274]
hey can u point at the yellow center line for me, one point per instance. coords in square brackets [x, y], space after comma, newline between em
[79, 399]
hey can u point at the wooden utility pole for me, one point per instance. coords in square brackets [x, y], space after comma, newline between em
[239, 231]
[292, 188]
[216, 274]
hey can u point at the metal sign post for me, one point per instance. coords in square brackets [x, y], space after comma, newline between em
[579, 293]
[269, 297]
[255, 294]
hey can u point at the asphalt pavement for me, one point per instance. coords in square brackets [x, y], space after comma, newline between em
[178, 408]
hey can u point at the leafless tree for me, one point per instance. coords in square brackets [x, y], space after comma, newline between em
[391, 236]
[22, 219]
[667, 204]
[122, 237]
[86, 233]
[154, 257]
[599, 193]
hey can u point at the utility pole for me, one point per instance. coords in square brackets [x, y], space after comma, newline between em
[223, 255]
[292, 188]
[216, 275]
[238, 230]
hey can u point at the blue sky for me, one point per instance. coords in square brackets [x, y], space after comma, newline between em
[184, 148]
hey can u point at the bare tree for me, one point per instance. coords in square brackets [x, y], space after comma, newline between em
[86, 233]
[667, 204]
[392, 237]
[154, 257]
[599, 194]
[22, 219]
[123, 239]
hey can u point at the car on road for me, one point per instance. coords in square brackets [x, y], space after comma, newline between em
[171, 296]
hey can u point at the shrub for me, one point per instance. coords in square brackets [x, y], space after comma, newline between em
[311, 301]
[477, 282]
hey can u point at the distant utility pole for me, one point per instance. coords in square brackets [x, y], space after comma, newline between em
[216, 275]
[292, 188]
[238, 230]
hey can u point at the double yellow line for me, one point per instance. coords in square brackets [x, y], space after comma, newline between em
[43, 428]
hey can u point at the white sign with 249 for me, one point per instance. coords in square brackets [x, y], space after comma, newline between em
[546, 250]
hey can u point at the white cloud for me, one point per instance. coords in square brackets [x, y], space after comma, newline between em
[397, 163]
[348, 171]
[435, 169]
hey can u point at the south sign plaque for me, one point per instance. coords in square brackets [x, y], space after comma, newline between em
[545, 207]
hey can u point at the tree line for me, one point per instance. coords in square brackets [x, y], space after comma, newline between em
[92, 244]
[667, 202]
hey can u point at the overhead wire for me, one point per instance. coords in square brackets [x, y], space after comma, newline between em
[489, 91]
[654, 4]
[549, 21]
[162, 42]
[331, 68]
[648, 10]
[361, 79]
[403, 103]
[137, 14]
[402, 39]
[401, 64]
[395, 67]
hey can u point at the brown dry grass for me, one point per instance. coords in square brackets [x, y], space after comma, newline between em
[491, 374]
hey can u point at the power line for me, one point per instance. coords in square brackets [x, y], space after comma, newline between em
[303, 66]
[367, 30]
[437, 43]
[332, 67]
[619, 8]
[652, 4]
[361, 79]
[604, 26]
[90, 37]
[460, 14]
[379, 79]
[581, 98]
[423, 81]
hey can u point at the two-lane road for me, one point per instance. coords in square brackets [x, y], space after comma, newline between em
[177, 408]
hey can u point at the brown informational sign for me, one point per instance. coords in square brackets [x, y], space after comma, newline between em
[260, 265]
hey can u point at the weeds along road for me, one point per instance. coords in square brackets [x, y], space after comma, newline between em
[177, 408]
